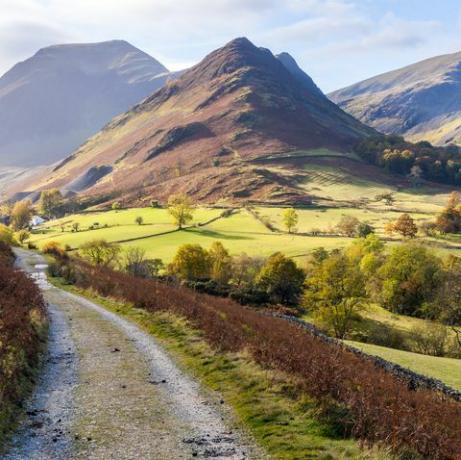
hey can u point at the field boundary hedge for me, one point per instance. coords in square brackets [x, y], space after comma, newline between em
[22, 333]
[375, 405]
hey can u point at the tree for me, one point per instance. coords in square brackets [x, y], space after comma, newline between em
[136, 263]
[409, 277]
[180, 208]
[245, 269]
[75, 227]
[348, 226]
[281, 279]
[364, 229]
[101, 252]
[116, 206]
[415, 176]
[21, 214]
[139, 220]
[335, 293]
[388, 198]
[23, 235]
[50, 200]
[449, 220]
[191, 263]
[290, 219]
[221, 263]
[406, 226]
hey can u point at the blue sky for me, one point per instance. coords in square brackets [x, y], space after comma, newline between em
[338, 42]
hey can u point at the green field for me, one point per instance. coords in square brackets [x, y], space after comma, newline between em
[340, 185]
[325, 219]
[240, 232]
[448, 370]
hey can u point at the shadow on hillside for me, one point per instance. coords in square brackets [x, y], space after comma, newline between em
[217, 235]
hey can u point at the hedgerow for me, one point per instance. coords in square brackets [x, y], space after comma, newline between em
[375, 406]
[22, 326]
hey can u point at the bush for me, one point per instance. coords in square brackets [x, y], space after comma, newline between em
[22, 329]
[53, 248]
[7, 235]
[430, 339]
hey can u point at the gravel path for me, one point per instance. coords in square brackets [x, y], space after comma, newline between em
[109, 391]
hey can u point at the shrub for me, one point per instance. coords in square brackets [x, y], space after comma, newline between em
[53, 248]
[7, 235]
[430, 339]
[22, 327]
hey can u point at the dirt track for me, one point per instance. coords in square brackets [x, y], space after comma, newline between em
[109, 391]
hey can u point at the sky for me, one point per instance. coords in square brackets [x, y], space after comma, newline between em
[337, 42]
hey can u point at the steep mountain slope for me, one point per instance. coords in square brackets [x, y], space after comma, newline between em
[421, 101]
[239, 105]
[55, 100]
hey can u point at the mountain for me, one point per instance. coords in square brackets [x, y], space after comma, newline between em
[208, 132]
[421, 101]
[55, 100]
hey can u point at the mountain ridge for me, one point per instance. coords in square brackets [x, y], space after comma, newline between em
[421, 101]
[239, 104]
[51, 102]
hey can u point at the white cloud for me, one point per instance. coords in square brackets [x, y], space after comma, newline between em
[327, 36]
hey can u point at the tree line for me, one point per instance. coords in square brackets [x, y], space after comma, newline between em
[418, 161]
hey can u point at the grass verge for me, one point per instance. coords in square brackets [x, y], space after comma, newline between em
[287, 425]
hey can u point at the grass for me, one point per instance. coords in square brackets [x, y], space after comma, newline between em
[266, 402]
[339, 185]
[240, 232]
[326, 219]
[448, 370]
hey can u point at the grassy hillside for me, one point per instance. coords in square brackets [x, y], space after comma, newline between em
[446, 369]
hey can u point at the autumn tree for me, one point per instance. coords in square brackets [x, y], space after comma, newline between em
[348, 226]
[282, 279]
[21, 214]
[50, 200]
[101, 252]
[449, 220]
[191, 262]
[137, 264]
[335, 291]
[406, 226]
[180, 208]
[290, 219]
[221, 263]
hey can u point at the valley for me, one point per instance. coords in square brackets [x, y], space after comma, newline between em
[224, 261]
